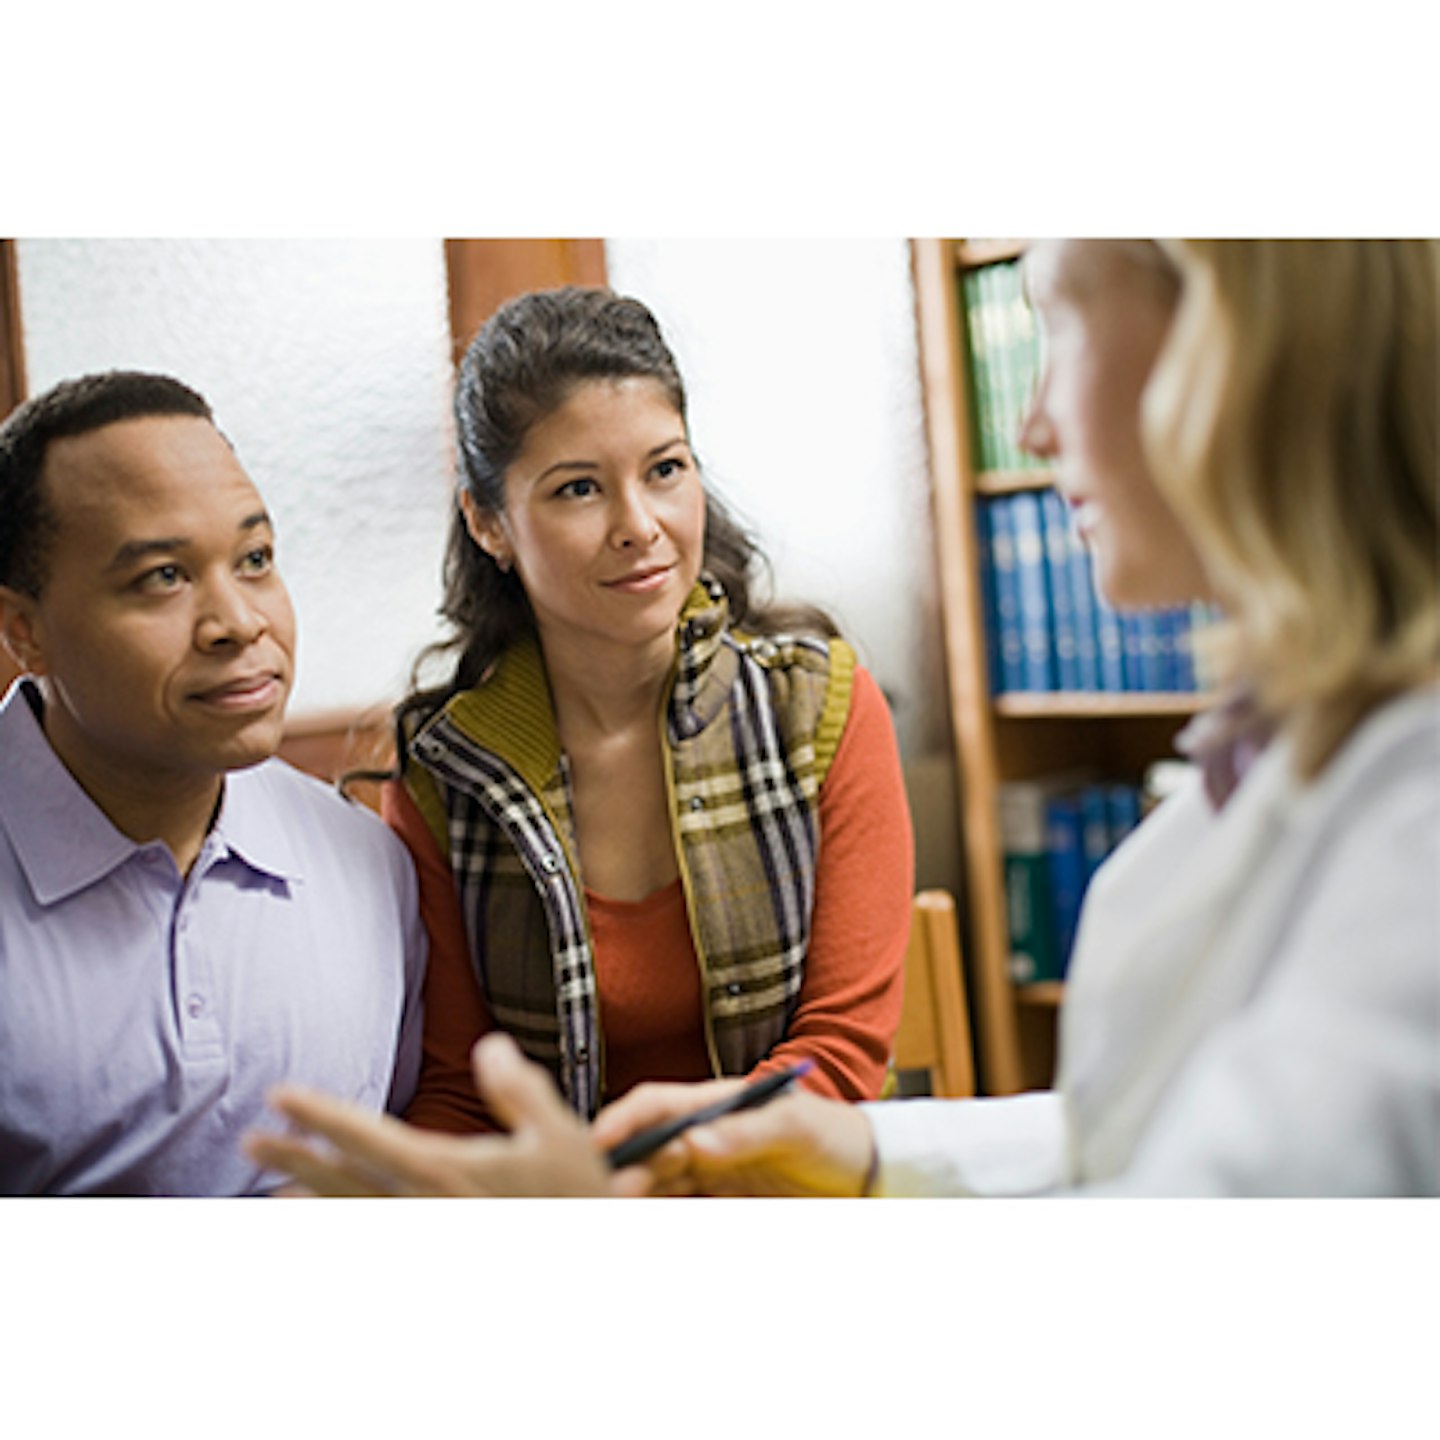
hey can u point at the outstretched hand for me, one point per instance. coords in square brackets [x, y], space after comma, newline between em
[344, 1150]
[800, 1144]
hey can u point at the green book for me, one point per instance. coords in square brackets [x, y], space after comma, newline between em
[982, 374]
[1003, 363]
[1034, 952]
[1026, 363]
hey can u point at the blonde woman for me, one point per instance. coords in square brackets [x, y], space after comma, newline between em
[1254, 1004]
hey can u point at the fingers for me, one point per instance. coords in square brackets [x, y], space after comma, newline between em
[521, 1094]
[315, 1173]
[371, 1154]
[802, 1144]
[654, 1104]
[741, 1138]
[377, 1140]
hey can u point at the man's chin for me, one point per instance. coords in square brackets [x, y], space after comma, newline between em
[252, 746]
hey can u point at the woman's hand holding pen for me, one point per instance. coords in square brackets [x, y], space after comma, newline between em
[547, 1152]
[799, 1144]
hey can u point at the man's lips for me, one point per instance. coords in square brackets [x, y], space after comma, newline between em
[245, 692]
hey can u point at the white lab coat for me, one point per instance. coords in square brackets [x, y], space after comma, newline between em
[1253, 1005]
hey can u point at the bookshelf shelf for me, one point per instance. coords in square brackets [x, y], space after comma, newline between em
[1012, 482]
[1017, 736]
[1088, 706]
[970, 254]
[1045, 995]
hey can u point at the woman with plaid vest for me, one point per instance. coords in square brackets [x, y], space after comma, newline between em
[661, 830]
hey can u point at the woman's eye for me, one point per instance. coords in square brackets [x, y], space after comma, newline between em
[257, 561]
[666, 469]
[578, 488]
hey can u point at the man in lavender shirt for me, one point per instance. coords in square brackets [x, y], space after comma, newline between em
[184, 920]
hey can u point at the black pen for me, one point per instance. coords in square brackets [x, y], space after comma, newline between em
[645, 1143]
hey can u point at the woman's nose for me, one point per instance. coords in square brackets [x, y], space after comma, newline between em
[1036, 433]
[634, 521]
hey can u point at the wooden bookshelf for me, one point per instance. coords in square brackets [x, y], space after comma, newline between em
[1012, 736]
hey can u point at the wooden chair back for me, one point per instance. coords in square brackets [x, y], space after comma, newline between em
[934, 1033]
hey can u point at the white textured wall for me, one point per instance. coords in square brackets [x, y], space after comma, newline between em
[805, 408]
[327, 365]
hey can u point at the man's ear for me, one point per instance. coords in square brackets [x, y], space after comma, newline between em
[21, 630]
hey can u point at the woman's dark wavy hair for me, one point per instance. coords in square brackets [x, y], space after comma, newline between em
[521, 366]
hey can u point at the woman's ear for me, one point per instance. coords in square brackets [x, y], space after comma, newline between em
[487, 530]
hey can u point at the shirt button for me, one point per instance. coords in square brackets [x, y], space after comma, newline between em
[733, 988]
[548, 863]
[195, 1007]
[697, 802]
[582, 1053]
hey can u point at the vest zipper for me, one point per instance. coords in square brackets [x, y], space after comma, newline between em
[685, 888]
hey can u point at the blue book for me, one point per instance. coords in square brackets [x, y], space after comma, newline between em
[1112, 646]
[1174, 637]
[1184, 652]
[1011, 672]
[1035, 614]
[988, 610]
[1094, 827]
[1084, 602]
[1062, 598]
[1064, 854]
[1151, 630]
[1132, 656]
[1123, 805]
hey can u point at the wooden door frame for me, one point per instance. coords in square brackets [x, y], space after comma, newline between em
[12, 379]
[12, 347]
[483, 274]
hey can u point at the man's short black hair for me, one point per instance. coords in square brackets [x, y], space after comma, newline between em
[73, 407]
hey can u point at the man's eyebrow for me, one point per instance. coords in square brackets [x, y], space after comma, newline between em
[133, 551]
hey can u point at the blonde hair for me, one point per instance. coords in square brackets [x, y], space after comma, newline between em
[1291, 421]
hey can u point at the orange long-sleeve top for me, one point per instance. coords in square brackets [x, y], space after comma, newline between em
[648, 974]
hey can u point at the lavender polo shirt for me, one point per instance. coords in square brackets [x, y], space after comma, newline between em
[144, 1014]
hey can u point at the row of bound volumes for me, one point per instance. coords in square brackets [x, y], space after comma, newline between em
[1055, 831]
[1046, 628]
[1003, 342]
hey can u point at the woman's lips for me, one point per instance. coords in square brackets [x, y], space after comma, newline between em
[640, 582]
[1083, 513]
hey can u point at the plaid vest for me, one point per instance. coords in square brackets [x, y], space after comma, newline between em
[751, 726]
